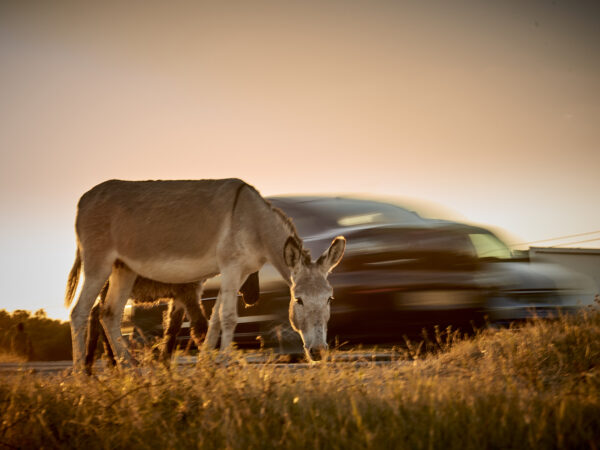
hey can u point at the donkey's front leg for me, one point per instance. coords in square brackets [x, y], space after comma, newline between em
[228, 309]
[173, 323]
[228, 315]
[214, 326]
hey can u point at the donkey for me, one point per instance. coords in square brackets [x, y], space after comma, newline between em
[181, 231]
[183, 298]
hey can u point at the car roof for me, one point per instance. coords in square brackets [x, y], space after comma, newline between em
[298, 200]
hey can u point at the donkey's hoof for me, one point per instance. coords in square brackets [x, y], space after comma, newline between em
[223, 359]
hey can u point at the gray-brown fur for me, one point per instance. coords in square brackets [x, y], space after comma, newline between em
[176, 232]
[154, 208]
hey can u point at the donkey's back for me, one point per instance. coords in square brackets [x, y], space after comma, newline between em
[148, 223]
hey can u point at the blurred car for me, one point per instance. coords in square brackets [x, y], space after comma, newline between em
[400, 273]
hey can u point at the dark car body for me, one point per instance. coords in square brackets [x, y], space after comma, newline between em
[400, 273]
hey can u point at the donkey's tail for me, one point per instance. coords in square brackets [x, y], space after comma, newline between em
[73, 279]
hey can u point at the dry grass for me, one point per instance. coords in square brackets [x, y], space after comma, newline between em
[533, 387]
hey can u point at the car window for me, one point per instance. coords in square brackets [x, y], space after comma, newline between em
[489, 246]
[361, 219]
[355, 213]
[321, 213]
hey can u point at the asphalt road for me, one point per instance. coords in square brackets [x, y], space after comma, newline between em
[57, 367]
[44, 367]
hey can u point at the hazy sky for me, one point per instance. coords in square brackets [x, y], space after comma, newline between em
[491, 109]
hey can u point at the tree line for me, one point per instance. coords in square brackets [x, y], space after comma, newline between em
[34, 336]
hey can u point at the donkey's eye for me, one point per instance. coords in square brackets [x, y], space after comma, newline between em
[299, 301]
[329, 300]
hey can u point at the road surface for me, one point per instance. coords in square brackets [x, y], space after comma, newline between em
[56, 367]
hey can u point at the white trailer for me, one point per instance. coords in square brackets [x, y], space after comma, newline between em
[582, 260]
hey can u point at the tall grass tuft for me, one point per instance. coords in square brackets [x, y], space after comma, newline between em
[536, 386]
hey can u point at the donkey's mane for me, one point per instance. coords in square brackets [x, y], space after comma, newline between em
[288, 223]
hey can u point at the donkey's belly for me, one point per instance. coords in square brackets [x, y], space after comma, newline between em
[174, 270]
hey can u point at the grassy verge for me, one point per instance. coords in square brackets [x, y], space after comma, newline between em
[533, 387]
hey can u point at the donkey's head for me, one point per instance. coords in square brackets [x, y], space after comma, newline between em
[311, 292]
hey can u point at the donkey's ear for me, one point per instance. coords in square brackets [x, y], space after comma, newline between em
[291, 252]
[333, 255]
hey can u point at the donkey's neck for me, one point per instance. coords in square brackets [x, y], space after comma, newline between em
[274, 235]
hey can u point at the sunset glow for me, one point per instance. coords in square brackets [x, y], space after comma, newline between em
[491, 110]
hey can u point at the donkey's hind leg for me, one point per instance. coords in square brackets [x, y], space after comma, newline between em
[93, 335]
[173, 323]
[95, 332]
[119, 287]
[195, 313]
[94, 279]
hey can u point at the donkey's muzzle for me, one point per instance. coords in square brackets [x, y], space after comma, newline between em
[316, 353]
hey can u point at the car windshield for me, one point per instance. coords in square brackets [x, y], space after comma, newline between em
[489, 246]
[316, 214]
